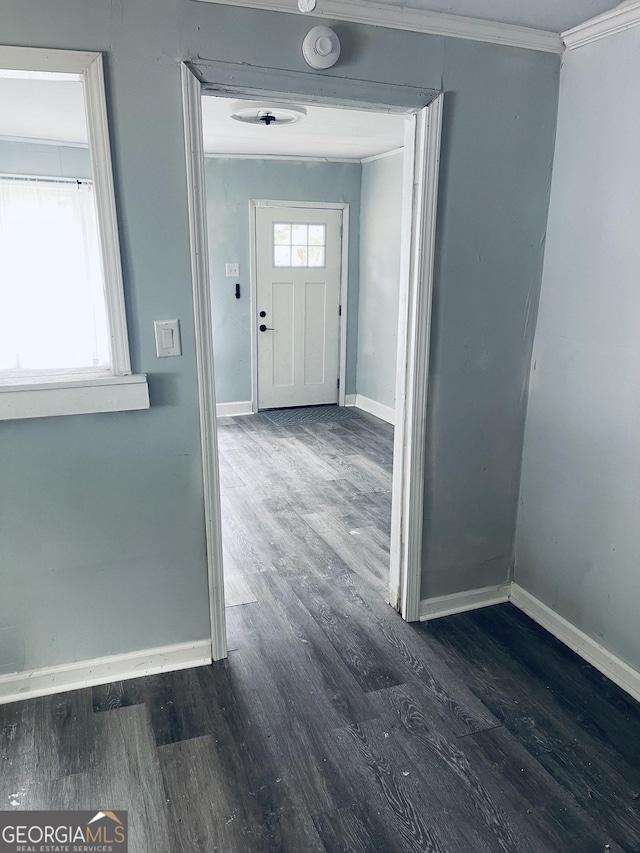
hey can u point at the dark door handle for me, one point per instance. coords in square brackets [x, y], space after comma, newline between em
[264, 328]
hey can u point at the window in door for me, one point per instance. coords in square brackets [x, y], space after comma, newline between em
[299, 244]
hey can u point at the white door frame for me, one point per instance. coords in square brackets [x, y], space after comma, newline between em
[254, 204]
[197, 206]
[420, 190]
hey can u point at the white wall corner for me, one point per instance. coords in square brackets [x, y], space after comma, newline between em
[598, 656]
[350, 400]
[623, 17]
[88, 673]
[372, 407]
[229, 410]
[461, 602]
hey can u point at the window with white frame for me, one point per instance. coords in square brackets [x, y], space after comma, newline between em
[64, 347]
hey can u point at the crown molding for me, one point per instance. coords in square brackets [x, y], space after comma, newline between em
[415, 20]
[623, 17]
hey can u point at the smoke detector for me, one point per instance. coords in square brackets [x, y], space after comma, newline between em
[321, 47]
[267, 113]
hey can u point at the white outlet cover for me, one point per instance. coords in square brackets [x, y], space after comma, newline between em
[168, 341]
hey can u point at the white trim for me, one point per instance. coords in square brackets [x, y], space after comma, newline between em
[82, 397]
[192, 113]
[104, 670]
[416, 20]
[366, 404]
[623, 17]
[344, 305]
[248, 81]
[43, 59]
[461, 602]
[350, 399]
[301, 157]
[382, 156]
[96, 107]
[230, 410]
[422, 166]
[598, 656]
[253, 300]
[254, 204]
[312, 205]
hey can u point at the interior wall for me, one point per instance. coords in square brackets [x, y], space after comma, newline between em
[498, 135]
[101, 516]
[577, 538]
[51, 161]
[380, 234]
[230, 184]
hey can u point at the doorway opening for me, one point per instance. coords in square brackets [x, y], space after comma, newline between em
[292, 233]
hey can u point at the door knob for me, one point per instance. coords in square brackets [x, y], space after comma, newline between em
[264, 328]
[263, 313]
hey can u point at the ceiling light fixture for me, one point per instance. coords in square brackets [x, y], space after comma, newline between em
[306, 5]
[267, 114]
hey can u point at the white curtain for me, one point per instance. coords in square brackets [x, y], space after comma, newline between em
[52, 306]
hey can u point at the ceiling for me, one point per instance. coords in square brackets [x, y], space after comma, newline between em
[552, 15]
[326, 132]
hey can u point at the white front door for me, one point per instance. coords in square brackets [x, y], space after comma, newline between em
[298, 259]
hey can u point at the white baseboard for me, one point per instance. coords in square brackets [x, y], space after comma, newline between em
[87, 673]
[229, 410]
[598, 656]
[602, 659]
[460, 602]
[385, 413]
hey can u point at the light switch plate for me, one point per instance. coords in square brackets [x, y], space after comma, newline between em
[233, 270]
[167, 338]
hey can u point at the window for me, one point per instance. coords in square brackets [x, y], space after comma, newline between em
[64, 347]
[50, 279]
[299, 244]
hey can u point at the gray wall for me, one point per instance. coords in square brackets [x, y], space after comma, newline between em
[578, 547]
[101, 516]
[51, 161]
[380, 232]
[497, 151]
[230, 185]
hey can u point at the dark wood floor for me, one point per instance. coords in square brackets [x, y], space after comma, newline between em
[334, 726]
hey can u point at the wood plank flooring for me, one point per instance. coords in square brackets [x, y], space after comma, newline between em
[333, 725]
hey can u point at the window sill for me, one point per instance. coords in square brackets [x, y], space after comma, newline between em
[74, 396]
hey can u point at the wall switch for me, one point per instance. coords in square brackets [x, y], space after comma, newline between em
[167, 338]
[233, 270]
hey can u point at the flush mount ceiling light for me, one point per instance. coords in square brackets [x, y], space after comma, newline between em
[267, 114]
[321, 47]
[306, 5]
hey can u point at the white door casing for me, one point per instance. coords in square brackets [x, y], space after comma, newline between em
[421, 183]
[298, 280]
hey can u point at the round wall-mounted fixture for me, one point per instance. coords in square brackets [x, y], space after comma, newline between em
[321, 47]
[267, 113]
